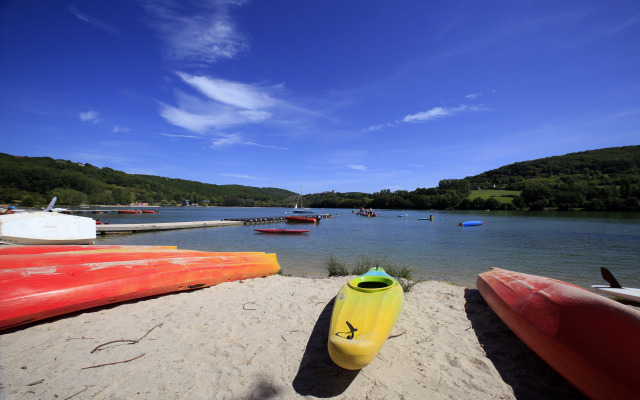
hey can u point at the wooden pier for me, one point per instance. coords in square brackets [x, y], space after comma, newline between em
[133, 228]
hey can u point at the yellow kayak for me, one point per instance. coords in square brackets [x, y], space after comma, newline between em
[364, 313]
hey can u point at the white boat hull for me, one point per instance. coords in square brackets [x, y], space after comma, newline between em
[47, 228]
[632, 294]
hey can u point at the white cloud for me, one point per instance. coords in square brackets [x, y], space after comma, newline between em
[205, 36]
[437, 112]
[236, 139]
[473, 95]
[235, 94]
[227, 103]
[357, 167]
[120, 129]
[169, 135]
[89, 116]
[243, 176]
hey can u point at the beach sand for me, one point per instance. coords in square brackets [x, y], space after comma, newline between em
[266, 339]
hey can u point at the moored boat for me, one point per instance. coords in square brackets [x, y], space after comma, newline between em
[282, 231]
[590, 340]
[308, 220]
[46, 228]
[364, 314]
[129, 212]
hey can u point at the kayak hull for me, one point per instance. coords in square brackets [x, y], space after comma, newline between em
[364, 314]
[590, 340]
[50, 289]
[282, 231]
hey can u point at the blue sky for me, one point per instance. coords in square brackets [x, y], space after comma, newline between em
[327, 95]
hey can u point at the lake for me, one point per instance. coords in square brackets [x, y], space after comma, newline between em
[570, 246]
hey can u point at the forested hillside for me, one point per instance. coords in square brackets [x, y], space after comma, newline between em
[35, 180]
[605, 179]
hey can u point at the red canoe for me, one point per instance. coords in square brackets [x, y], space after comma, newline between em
[129, 212]
[592, 341]
[48, 289]
[301, 219]
[282, 230]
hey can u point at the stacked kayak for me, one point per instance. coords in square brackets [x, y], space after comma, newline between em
[38, 282]
[364, 314]
[590, 340]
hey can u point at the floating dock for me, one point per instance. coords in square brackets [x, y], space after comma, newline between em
[133, 228]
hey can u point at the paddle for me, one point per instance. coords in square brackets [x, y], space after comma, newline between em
[608, 276]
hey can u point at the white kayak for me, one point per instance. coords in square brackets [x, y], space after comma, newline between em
[632, 294]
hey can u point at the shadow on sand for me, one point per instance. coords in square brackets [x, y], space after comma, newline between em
[521, 368]
[318, 375]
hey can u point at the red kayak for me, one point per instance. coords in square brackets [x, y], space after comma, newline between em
[592, 341]
[129, 212]
[46, 289]
[282, 230]
[58, 248]
[301, 219]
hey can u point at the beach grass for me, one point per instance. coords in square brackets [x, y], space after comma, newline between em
[402, 273]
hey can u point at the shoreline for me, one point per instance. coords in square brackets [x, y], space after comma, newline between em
[266, 338]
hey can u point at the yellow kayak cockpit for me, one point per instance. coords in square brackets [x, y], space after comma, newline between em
[364, 314]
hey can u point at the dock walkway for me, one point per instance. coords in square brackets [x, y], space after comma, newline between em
[133, 228]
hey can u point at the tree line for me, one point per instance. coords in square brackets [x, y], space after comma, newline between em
[605, 179]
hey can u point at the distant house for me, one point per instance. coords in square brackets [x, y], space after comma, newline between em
[476, 187]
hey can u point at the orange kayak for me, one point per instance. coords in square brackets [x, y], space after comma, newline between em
[591, 340]
[44, 290]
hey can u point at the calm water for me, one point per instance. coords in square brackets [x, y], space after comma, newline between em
[569, 246]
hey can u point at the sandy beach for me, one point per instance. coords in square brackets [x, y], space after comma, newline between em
[266, 339]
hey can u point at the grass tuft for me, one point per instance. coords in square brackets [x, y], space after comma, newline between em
[402, 273]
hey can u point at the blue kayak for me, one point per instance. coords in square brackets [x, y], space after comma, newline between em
[471, 223]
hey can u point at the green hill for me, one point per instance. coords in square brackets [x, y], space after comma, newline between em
[37, 179]
[605, 179]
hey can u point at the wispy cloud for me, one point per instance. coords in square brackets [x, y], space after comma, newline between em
[89, 116]
[236, 94]
[243, 176]
[473, 95]
[438, 112]
[205, 36]
[357, 167]
[169, 135]
[94, 21]
[120, 129]
[236, 139]
[227, 103]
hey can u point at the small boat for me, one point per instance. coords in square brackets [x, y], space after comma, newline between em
[129, 212]
[285, 231]
[307, 220]
[301, 210]
[144, 211]
[364, 314]
[615, 289]
[589, 339]
[46, 228]
[39, 286]
[471, 223]
[282, 231]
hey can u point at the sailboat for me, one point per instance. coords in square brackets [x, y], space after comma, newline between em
[301, 210]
